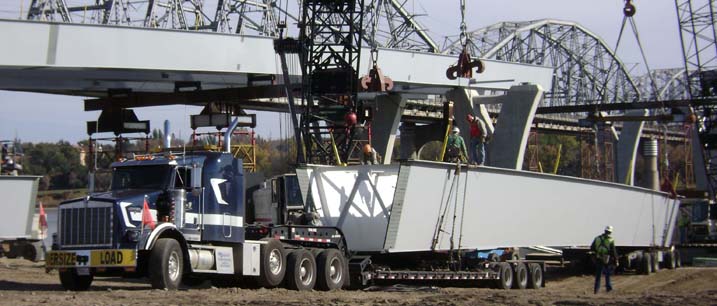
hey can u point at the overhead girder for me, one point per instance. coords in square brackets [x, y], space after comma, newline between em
[587, 71]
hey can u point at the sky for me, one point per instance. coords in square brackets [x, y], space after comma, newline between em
[50, 118]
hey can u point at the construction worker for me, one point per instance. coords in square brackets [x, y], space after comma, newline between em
[455, 147]
[603, 248]
[369, 156]
[478, 135]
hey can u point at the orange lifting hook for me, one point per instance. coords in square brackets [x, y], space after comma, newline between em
[376, 81]
[465, 66]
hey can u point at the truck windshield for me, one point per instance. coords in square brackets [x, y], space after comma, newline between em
[293, 192]
[141, 177]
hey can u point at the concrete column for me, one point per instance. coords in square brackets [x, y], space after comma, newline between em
[387, 116]
[513, 128]
[627, 147]
[649, 152]
[466, 101]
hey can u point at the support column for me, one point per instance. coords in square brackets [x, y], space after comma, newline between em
[387, 116]
[649, 152]
[627, 147]
[507, 148]
[467, 101]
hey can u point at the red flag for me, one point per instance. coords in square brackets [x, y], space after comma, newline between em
[147, 216]
[43, 220]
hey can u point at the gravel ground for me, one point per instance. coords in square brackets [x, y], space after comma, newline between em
[26, 283]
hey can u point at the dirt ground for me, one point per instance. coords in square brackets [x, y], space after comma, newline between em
[26, 283]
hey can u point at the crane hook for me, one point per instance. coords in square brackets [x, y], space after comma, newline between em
[629, 10]
[465, 67]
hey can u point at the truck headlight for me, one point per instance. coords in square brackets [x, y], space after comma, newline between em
[131, 235]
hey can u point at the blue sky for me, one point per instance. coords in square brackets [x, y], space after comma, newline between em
[40, 117]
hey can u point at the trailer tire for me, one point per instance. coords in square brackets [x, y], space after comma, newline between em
[29, 252]
[520, 276]
[301, 270]
[646, 263]
[273, 263]
[535, 276]
[331, 274]
[670, 260]
[166, 263]
[505, 276]
[678, 259]
[655, 263]
[72, 281]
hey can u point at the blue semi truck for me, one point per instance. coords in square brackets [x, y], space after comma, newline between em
[182, 219]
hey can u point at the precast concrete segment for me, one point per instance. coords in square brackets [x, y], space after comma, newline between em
[18, 207]
[111, 55]
[387, 116]
[495, 207]
[513, 128]
[627, 147]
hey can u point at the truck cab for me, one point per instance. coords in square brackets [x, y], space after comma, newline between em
[181, 218]
[703, 221]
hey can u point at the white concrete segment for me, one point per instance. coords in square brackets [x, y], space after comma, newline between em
[495, 207]
[18, 207]
[44, 56]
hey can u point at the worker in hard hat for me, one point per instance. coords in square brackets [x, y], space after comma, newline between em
[478, 136]
[369, 156]
[603, 248]
[455, 147]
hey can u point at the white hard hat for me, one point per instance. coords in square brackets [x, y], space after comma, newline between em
[608, 228]
[456, 129]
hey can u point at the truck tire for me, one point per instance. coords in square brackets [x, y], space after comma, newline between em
[166, 263]
[301, 270]
[330, 270]
[520, 276]
[646, 263]
[273, 263]
[505, 276]
[535, 276]
[670, 260]
[72, 281]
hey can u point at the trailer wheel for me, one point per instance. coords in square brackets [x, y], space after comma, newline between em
[273, 263]
[301, 270]
[505, 276]
[646, 263]
[520, 276]
[29, 252]
[72, 281]
[655, 263]
[670, 260]
[678, 259]
[330, 267]
[166, 264]
[535, 276]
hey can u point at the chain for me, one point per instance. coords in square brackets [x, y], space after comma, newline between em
[464, 28]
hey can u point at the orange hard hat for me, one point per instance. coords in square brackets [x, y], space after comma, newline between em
[367, 148]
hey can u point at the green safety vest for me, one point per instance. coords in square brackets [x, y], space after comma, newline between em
[602, 245]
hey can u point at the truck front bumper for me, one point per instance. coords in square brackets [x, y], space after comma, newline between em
[91, 258]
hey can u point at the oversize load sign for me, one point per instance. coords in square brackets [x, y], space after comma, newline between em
[91, 258]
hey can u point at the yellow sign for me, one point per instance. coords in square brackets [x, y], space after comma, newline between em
[91, 258]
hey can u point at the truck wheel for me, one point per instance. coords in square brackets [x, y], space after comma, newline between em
[330, 267]
[670, 260]
[505, 276]
[72, 281]
[273, 263]
[535, 276]
[301, 270]
[520, 276]
[166, 264]
[646, 263]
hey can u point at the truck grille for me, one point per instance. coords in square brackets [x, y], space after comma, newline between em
[85, 225]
